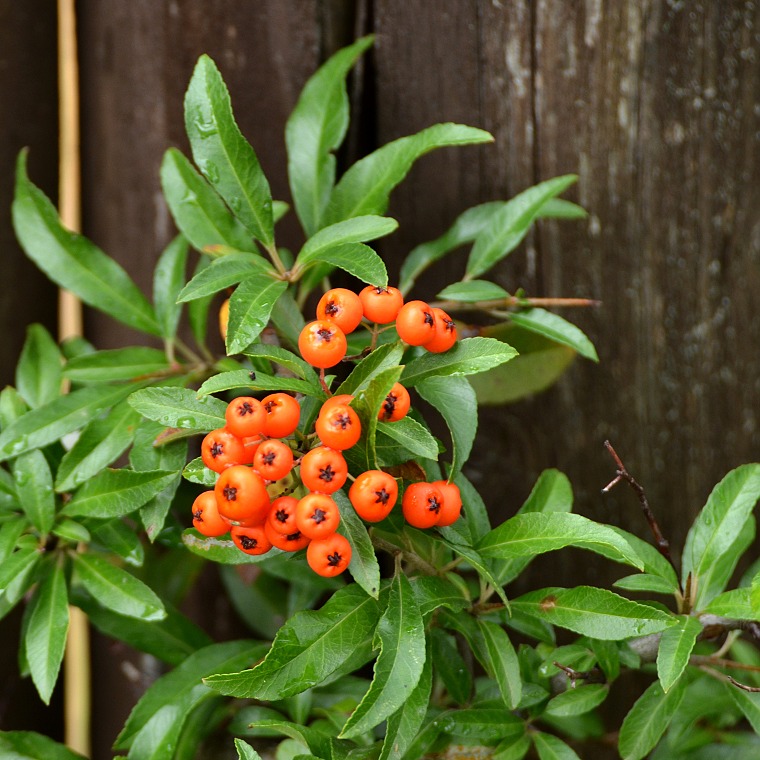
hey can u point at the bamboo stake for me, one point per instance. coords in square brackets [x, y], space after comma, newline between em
[77, 690]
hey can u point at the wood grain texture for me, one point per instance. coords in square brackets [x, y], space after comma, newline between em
[656, 106]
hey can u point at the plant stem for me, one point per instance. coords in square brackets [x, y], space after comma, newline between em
[514, 302]
[274, 255]
[410, 557]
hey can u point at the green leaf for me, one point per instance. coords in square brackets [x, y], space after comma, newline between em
[360, 229]
[117, 589]
[506, 229]
[737, 604]
[99, 444]
[654, 563]
[221, 550]
[432, 592]
[257, 381]
[500, 661]
[481, 724]
[415, 438]
[467, 357]
[555, 328]
[383, 357]
[455, 399]
[557, 208]
[246, 751]
[28, 745]
[577, 700]
[52, 421]
[366, 186]
[38, 373]
[401, 637]
[309, 648]
[368, 405]
[250, 308]
[473, 291]
[119, 539]
[182, 689]
[10, 531]
[465, 229]
[748, 703]
[450, 667]
[718, 525]
[168, 280]
[198, 310]
[179, 407]
[72, 261]
[402, 727]
[116, 364]
[646, 582]
[647, 720]
[315, 129]
[532, 533]
[550, 747]
[222, 154]
[676, 645]
[363, 567]
[593, 612]
[12, 406]
[356, 259]
[114, 493]
[286, 359]
[21, 562]
[225, 272]
[46, 631]
[197, 472]
[476, 514]
[34, 486]
[198, 211]
[288, 320]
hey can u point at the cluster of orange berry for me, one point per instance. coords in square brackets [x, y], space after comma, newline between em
[323, 343]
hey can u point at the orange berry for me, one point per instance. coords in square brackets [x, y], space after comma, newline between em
[381, 304]
[291, 542]
[241, 495]
[206, 519]
[329, 556]
[224, 318]
[245, 416]
[342, 398]
[373, 495]
[422, 504]
[322, 343]
[324, 470]
[317, 515]
[445, 333]
[283, 413]
[251, 540]
[282, 515]
[221, 449]
[452, 503]
[341, 306]
[396, 404]
[273, 459]
[415, 323]
[339, 427]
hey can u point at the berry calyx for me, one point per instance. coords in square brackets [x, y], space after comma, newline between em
[341, 306]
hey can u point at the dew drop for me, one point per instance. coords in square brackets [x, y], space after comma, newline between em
[205, 129]
[211, 171]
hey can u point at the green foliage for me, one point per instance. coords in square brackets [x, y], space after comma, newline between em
[94, 509]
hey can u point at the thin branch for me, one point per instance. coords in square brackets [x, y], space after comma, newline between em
[514, 302]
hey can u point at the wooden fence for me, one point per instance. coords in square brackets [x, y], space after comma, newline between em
[655, 104]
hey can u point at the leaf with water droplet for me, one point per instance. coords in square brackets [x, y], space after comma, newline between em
[179, 407]
[250, 308]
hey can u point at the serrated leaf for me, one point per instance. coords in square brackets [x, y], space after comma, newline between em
[654, 563]
[647, 721]
[38, 373]
[222, 154]
[646, 582]
[19, 563]
[223, 273]
[500, 660]
[10, 531]
[257, 381]
[117, 589]
[432, 592]
[403, 725]
[100, 443]
[366, 186]
[550, 747]
[593, 612]
[357, 259]
[555, 328]
[718, 525]
[12, 406]
[488, 725]
[383, 357]
[179, 407]
[183, 690]
[455, 400]
[475, 512]
[55, 419]
[197, 209]
[168, 280]
[309, 648]
[577, 700]
[736, 604]
[401, 637]
[532, 533]
[46, 631]
[288, 320]
[473, 291]
[506, 228]
[116, 364]
[467, 357]
[315, 128]
[360, 229]
[114, 493]
[34, 486]
[676, 645]
[72, 261]
[363, 567]
[28, 745]
[250, 308]
[367, 406]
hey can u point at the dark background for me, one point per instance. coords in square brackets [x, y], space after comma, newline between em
[655, 104]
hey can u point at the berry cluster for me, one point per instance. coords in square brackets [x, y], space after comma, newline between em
[323, 342]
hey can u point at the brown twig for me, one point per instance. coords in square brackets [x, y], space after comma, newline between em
[514, 302]
[592, 676]
[622, 474]
[744, 686]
